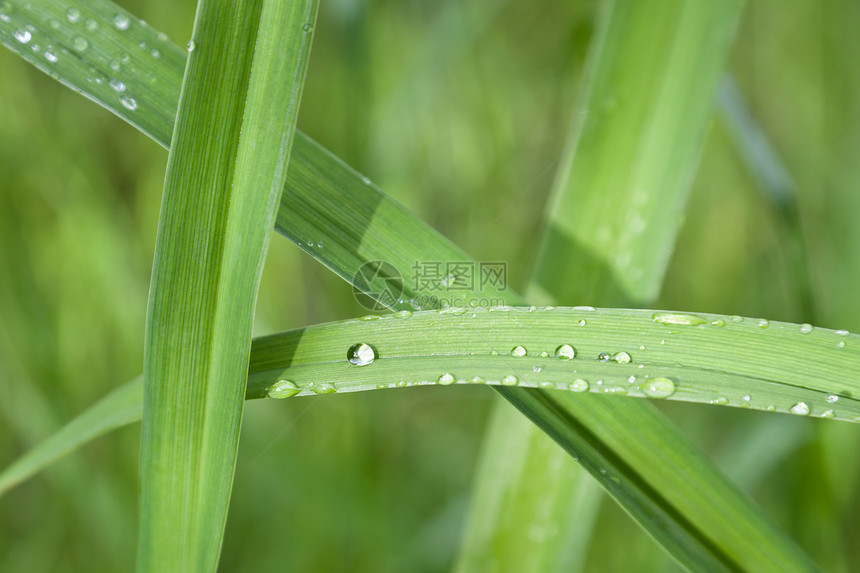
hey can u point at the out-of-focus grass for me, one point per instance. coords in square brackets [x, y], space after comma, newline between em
[379, 481]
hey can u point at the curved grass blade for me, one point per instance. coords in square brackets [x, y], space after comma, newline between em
[225, 172]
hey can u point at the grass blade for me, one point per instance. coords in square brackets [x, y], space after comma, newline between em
[225, 172]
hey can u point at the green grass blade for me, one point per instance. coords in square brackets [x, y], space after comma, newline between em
[121, 407]
[225, 172]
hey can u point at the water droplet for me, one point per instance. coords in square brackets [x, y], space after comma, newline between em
[582, 322]
[128, 103]
[719, 400]
[842, 332]
[510, 380]
[518, 351]
[801, 409]
[121, 22]
[832, 398]
[282, 389]
[190, 46]
[402, 384]
[361, 354]
[22, 35]
[403, 314]
[565, 352]
[621, 391]
[478, 380]
[603, 357]
[114, 65]
[546, 385]
[155, 53]
[92, 25]
[658, 387]
[763, 323]
[621, 357]
[5, 11]
[117, 85]
[840, 344]
[828, 414]
[50, 55]
[677, 319]
[537, 369]
[124, 58]
[446, 379]
[324, 388]
[366, 180]
[737, 318]
[307, 27]
[805, 328]
[73, 15]
[579, 385]
[770, 408]
[55, 24]
[746, 397]
[718, 322]
[79, 44]
[369, 317]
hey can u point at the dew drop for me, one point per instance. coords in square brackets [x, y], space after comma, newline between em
[832, 398]
[189, 47]
[128, 103]
[307, 27]
[621, 357]
[737, 318]
[79, 44]
[677, 319]
[22, 35]
[478, 380]
[402, 384]
[828, 414]
[842, 332]
[770, 408]
[361, 354]
[366, 180]
[801, 409]
[91, 25]
[55, 24]
[603, 357]
[579, 385]
[718, 322]
[510, 380]
[446, 379]
[5, 11]
[746, 397]
[565, 352]
[324, 388]
[73, 15]
[155, 53]
[117, 85]
[537, 369]
[621, 391]
[518, 351]
[582, 322]
[840, 344]
[719, 400]
[121, 22]
[763, 323]
[282, 389]
[403, 314]
[51, 56]
[805, 328]
[658, 387]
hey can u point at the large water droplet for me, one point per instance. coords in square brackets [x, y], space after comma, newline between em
[128, 103]
[73, 15]
[565, 352]
[622, 357]
[190, 46]
[282, 389]
[447, 379]
[658, 387]
[518, 351]
[678, 319]
[510, 380]
[579, 385]
[361, 354]
[121, 22]
[805, 328]
[22, 35]
[801, 409]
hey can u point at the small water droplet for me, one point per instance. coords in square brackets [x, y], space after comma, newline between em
[537, 369]
[746, 397]
[402, 384]
[121, 22]
[446, 379]
[190, 46]
[763, 323]
[842, 332]
[366, 180]
[677, 319]
[22, 35]
[840, 344]
[114, 65]
[737, 318]
[73, 15]
[805, 328]
[565, 352]
[117, 85]
[719, 400]
[621, 391]
[403, 314]
[579, 385]
[660, 387]
[622, 357]
[53, 23]
[801, 409]
[546, 385]
[603, 357]
[361, 354]
[324, 388]
[510, 380]
[50, 55]
[718, 322]
[585, 308]
[128, 103]
[124, 58]
[518, 351]
[582, 322]
[828, 414]
[155, 53]
[282, 389]
[91, 25]
[5, 11]
[478, 380]
[832, 398]
[307, 27]
[79, 44]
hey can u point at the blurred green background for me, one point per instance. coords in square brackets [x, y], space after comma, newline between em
[460, 111]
